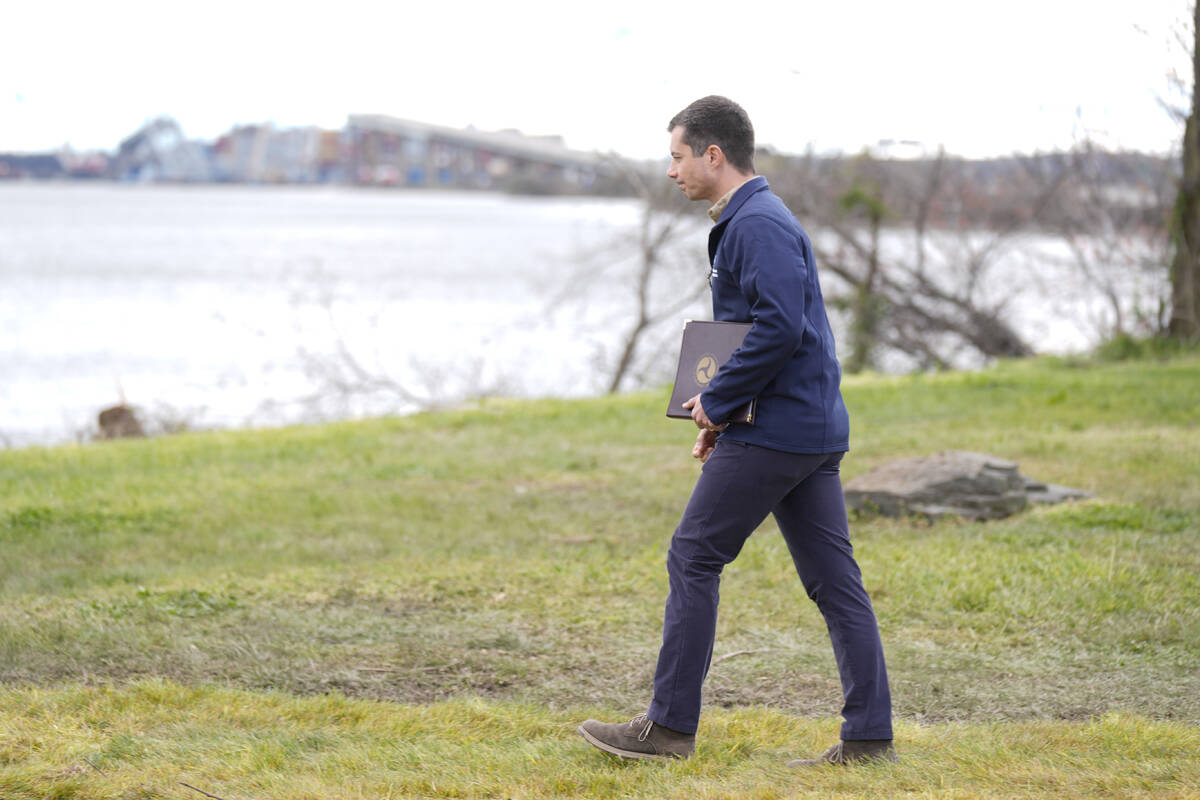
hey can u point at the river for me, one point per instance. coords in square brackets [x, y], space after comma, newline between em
[230, 306]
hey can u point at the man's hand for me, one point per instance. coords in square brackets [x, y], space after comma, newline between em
[699, 417]
[706, 442]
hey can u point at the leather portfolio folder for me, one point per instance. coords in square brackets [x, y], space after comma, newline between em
[705, 347]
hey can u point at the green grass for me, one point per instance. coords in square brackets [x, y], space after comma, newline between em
[428, 606]
[149, 739]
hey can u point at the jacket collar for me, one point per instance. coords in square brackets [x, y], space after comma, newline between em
[756, 184]
[753, 186]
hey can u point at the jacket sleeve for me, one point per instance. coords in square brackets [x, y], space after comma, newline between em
[771, 272]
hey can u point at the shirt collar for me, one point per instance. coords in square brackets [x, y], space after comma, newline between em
[718, 208]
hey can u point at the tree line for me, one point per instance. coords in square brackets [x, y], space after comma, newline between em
[1128, 223]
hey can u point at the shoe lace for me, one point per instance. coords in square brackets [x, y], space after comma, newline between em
[834, 754]
[642, 719]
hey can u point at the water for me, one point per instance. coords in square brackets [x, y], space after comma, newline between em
[233, 306]
[240, 306]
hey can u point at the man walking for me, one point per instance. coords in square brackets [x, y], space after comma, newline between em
[785, 464]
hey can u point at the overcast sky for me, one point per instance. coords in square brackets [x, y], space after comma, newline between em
[978, 78]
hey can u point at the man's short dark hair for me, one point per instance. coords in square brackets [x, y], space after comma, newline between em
[720, 121]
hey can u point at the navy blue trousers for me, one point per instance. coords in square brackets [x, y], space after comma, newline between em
[739, 485]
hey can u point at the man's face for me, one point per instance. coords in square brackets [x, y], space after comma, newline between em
[690, 171]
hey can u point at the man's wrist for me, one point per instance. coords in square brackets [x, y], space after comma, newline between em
[705, 401]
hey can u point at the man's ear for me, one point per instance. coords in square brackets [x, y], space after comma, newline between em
[713, 156]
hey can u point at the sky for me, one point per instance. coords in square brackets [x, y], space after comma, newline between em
[979, 79]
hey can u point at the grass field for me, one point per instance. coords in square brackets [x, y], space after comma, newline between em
[428, 606]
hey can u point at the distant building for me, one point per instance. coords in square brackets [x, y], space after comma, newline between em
[160, 152]
[237, 155]
[388, 151]
[371, 150]
[266, 154]
[91, 164]
[901, 150]
[20, 166]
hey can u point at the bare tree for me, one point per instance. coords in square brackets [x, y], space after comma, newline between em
[349, 378]
[923, 296]
[1185, 220]
[1114, 227]
[661, 261]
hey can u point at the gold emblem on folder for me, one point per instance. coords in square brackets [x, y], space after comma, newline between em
[706, 369]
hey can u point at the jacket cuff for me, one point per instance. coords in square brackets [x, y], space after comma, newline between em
[718, 412]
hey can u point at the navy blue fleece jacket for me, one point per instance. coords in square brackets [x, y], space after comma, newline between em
[763, 272]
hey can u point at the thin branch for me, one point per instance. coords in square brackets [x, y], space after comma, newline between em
[201, 791]
[737, 653]
[428, 668]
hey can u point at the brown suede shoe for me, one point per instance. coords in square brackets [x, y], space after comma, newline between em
[638, 738]
[849, 752]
